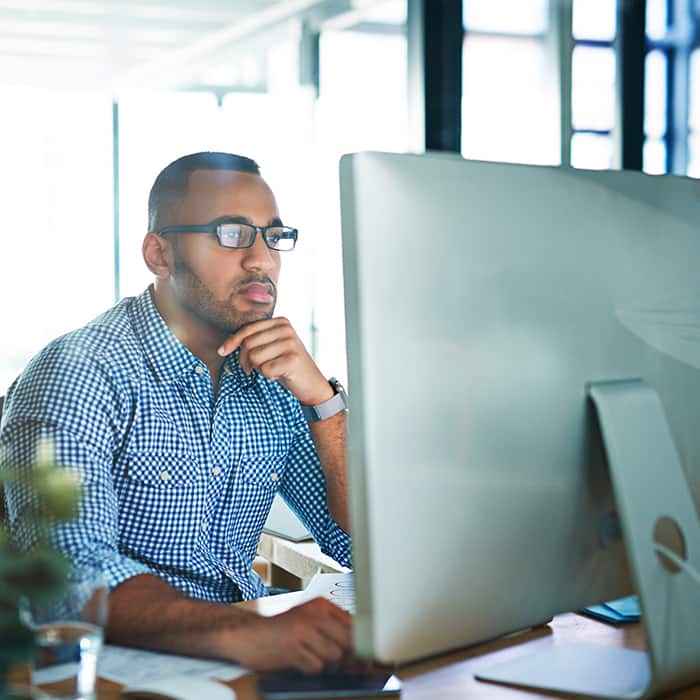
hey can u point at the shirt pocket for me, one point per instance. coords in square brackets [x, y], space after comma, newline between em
[161, 507]
[263, 472]
[256, 482]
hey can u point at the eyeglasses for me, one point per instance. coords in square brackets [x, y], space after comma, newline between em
[235, 235]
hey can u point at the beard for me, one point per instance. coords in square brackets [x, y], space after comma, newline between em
[196, 298]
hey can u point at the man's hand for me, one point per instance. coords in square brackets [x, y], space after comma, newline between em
[145, 611]
[313, 637]
[273, 348]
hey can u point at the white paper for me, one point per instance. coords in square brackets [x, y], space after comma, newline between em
[338, 588]
[135, 666]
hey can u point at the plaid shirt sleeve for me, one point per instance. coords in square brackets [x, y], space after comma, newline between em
[66, 394]
[304, 489]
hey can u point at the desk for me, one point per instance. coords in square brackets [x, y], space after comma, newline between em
[451, 675]
[300, 560]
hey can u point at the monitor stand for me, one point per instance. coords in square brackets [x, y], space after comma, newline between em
[652, 495]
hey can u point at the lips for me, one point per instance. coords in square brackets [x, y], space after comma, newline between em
[258, 293]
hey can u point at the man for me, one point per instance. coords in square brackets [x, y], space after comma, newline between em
[185, 409]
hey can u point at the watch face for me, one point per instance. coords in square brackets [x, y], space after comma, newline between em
[339, 389]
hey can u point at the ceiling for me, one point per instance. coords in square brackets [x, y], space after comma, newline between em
[118, 45]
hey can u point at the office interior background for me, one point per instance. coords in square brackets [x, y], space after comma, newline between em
[96, 96]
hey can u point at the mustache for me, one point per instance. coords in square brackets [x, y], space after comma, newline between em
[257, 279]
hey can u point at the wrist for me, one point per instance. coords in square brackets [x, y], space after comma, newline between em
[335, 403]
[321, 393]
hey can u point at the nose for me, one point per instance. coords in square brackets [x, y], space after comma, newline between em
[259, 256]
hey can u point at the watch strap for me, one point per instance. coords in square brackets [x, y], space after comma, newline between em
[326, 409]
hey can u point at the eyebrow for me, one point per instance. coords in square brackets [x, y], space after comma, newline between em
[243, 220]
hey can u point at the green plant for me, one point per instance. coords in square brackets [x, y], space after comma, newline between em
[37, 573]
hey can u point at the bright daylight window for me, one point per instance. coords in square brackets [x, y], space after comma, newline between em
[694, 120]
[509, 110]
[362, 106]
[56, 261]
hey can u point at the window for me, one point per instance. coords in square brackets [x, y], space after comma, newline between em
[508, 103]
[655, 126]
[694, 116]
[593, 82]
[361, 106]
[671, 85]
[56, 252]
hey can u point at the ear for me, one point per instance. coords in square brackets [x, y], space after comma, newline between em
[157, 254]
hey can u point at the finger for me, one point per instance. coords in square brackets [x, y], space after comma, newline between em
[334, 624]
[269, 336]
[337, 633]
[234, 341]
[353, 665]
[322, 647]
[278, 347]
[278, 367]
[307, 661]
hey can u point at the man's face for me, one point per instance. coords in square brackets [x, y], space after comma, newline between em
[225, 287]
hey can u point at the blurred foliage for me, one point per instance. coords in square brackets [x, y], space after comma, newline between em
[53, 495]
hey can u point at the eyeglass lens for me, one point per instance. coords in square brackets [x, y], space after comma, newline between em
[242, 235]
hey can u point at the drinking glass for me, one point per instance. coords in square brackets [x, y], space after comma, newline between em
[68, 631]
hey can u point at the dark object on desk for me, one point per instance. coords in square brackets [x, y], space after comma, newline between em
[288, 685]
[622, 610]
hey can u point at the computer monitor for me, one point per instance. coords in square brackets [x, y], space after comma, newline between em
[482, 301]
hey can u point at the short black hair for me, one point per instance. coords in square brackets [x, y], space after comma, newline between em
[170, 187]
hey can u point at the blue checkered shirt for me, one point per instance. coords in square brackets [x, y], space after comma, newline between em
[179, 481]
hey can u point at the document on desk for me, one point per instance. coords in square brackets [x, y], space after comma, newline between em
[338, 588]
[135, 666]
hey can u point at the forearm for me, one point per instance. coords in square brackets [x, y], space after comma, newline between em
[329, 438]
[146, 612]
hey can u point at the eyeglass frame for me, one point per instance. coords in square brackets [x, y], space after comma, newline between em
[215, 226]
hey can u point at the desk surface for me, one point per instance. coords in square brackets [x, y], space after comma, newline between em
[452, 675]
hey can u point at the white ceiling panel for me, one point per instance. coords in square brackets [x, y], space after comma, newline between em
[116, 45]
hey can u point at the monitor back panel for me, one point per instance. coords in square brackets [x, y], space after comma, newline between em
[480, 300]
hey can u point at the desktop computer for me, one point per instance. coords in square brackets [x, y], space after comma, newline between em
[524, 377]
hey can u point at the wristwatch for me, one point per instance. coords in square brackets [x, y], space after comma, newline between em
[337, 403]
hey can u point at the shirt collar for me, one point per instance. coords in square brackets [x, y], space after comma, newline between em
[168, 357]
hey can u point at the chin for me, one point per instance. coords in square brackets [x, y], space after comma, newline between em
[244, 319]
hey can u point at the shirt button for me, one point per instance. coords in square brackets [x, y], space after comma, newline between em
[199, 369]
[230, 573]
[274, 476]
[216, 471]
[165, 476]
[204, 526]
